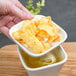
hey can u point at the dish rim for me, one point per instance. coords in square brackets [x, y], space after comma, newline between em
[44, 67]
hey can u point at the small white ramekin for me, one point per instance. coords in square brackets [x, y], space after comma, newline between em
[16, 27]
[49, 70]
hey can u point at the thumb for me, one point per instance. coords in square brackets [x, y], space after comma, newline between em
[20, 13]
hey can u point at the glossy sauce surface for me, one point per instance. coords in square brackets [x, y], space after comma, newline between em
[53, 57]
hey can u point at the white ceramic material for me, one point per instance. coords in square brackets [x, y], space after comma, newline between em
[49, 70]
[54, 45]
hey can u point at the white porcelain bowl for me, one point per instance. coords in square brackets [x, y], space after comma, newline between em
[54, 45]
[49, 70]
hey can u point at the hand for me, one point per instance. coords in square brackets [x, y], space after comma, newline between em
[12, 12]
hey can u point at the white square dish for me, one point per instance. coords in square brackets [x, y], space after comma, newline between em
[54, 45]
[48, 70]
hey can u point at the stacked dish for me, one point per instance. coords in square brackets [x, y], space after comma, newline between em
[39, 47]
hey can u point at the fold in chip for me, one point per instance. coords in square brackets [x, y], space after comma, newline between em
[32, 42]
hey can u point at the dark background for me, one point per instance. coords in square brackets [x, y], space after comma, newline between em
[63, 12]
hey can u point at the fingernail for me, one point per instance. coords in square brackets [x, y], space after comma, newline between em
[30, 16]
